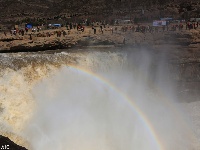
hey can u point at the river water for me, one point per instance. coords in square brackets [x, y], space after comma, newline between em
[101, 99]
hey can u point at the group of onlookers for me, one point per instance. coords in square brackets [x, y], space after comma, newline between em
[102, 27]
[192, 25]
[16, 31]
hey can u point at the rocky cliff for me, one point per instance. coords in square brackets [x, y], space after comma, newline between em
[17, 11]
[6, 143]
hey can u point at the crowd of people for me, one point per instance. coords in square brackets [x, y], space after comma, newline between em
[16, 31]
[152, 29]
[192, 25]
[143, 28]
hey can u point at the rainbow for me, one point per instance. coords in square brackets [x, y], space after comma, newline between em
[146, 122]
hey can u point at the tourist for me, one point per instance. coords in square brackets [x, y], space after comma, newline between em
[124, 41]
[38, 29]
[101, 29]
[163, 28]
[48, 34]
[111, 29]
[74, 25]
[64, 33]
[194, 27]
[156, 29]
[58, 33]
[26, 29]
[116, 29]
[22, 32]
[191, 26]
[30, 36]
[70, 26]
[179, 27]
[82, 28]
[94, 31]
[14, 32]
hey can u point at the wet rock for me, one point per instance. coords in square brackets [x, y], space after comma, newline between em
[6, 143]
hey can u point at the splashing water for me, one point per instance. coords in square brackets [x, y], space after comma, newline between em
[125, 104]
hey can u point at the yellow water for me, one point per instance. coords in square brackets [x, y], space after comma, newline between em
[45, 104]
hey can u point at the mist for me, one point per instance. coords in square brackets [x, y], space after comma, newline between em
[130, 106]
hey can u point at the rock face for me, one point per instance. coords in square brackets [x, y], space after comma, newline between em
[13, 11]
[6, 143]
[186, 39]
[181, 47]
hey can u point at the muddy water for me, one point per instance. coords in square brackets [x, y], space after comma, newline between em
[146, 75]
[20, 72]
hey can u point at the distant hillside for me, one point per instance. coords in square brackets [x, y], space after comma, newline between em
[13, 11]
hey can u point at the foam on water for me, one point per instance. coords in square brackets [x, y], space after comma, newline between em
[46, 106]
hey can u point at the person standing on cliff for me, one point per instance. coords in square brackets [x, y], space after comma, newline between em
[38, 29]
[111, 29]
[26, 29]
[30, 36]
[187, 26]
[70, 26]
[22, 32]
[156, 29]
[5, 33]
[163, 28]
[194, 27]
[82, 28]
[64, 33]
[48, 34]
[124, 41]
[101, 29]
[74, 25]
[58, 33]
[94, 30]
